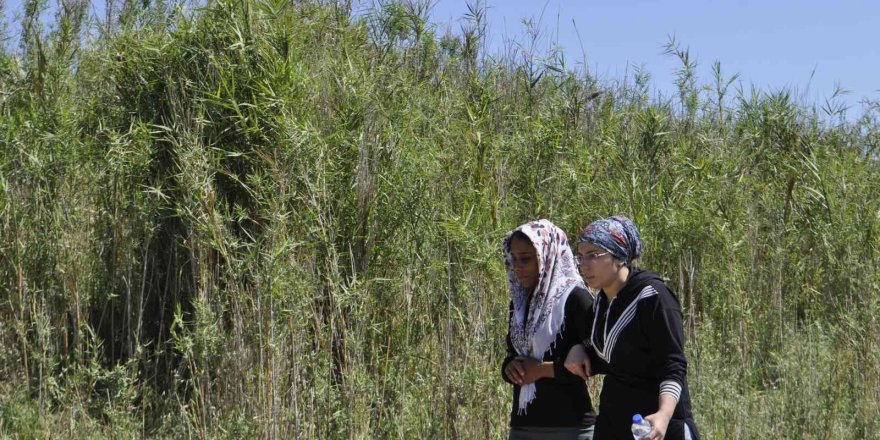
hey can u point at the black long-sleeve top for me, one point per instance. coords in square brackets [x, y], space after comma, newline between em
[638, 343]
[563, 400]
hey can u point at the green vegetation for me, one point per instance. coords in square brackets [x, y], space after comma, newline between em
[282, 220]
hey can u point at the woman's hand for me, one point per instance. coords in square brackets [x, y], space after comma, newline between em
[578, 362]
[659, 423]
[515, 371]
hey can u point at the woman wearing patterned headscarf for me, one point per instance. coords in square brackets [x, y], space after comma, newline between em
[548, 303]
[637, 338]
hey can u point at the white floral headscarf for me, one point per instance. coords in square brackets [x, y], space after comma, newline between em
[532, 335]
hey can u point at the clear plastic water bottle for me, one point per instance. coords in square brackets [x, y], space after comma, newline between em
[640, 427]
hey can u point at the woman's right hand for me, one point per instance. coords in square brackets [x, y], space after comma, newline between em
[578, 362]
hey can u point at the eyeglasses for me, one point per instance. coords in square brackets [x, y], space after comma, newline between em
[589, 258]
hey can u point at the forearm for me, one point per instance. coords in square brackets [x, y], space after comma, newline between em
[666, 338]
[539, 370]
[667, 405]
[597, 364]
[546, 370]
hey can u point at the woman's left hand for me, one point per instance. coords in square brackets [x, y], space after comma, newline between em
[577, 362]
[659, 423]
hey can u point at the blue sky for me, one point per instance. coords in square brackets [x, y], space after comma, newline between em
[807, 46]
[771, 44]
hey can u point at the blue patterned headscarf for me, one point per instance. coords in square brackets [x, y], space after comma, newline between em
[618, 234]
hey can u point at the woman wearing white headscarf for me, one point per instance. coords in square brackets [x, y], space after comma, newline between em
[550, 311]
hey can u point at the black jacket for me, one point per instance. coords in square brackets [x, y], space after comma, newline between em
[638, 343]
[561, 401]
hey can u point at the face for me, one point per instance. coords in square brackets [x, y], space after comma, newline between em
[525, 262]
[597, 266]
